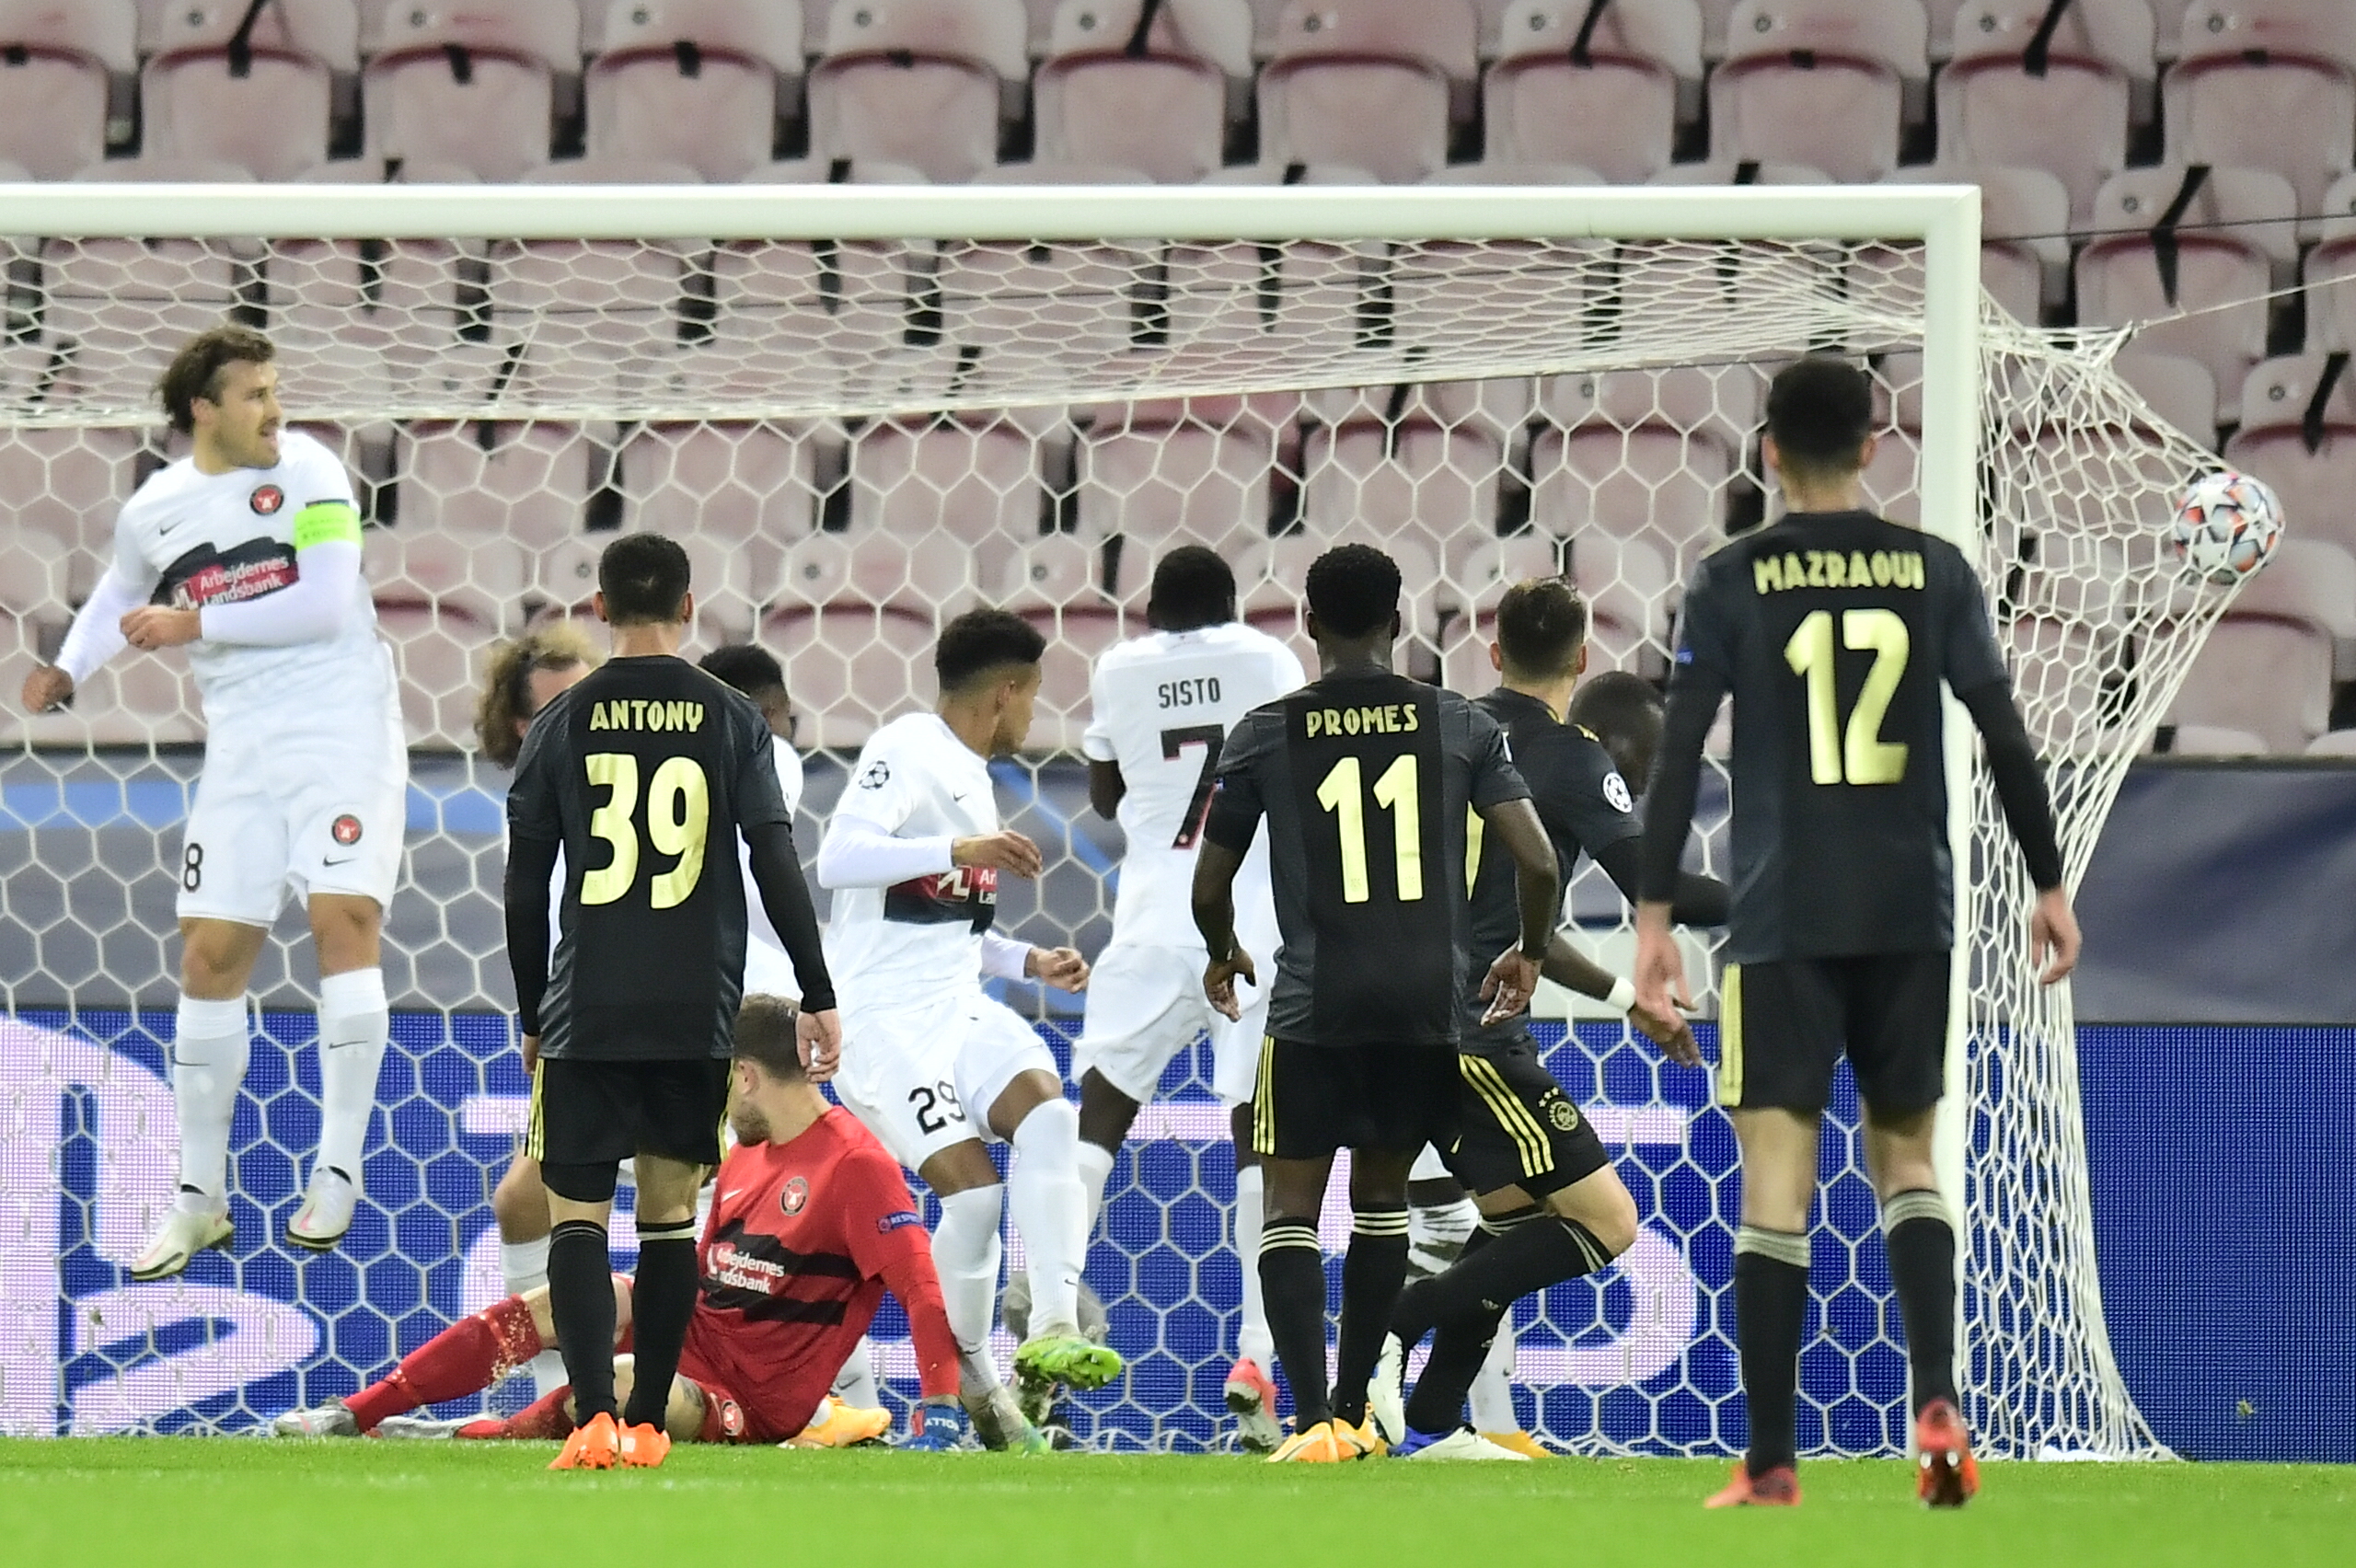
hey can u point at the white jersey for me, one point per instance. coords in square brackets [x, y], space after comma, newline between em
[1162, 705]
[917, 943]
[190, 539]
[766, 966]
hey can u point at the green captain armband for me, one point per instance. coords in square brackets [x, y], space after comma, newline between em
[326, 522]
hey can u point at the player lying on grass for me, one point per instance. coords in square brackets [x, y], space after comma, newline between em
[814, 1222]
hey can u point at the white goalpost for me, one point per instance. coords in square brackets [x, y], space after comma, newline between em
[864, 405]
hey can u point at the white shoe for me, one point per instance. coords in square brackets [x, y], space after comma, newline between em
[326, 1212]
[179, 1236]
[332, 1419]
[1462, 1444]
[1386, 1400]
[423, 1427]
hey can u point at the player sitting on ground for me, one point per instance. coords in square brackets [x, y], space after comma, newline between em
[1833, 629]
[934, 1066]
[1551, 1207]
[1162, 706]
[814, 1223]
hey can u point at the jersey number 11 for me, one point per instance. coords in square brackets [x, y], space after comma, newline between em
[1342, 794]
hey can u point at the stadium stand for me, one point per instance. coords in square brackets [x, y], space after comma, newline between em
[56, 60]
[2266, 84]
[925, 83]
[1817, 82]
[1603, 95]
[695, 82]
[474, 87]
[2072, 115]
[1378, 84]
[1143, 89]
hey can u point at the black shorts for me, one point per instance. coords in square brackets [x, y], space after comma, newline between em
[1783, 1026]
[1311, 1100]
[1518, 1128]
[601, 1113]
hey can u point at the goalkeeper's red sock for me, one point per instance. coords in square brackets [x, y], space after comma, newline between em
[544, 1419]
[465, 1358]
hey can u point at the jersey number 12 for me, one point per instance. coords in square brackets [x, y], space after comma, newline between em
[1342, 793]
[1858, 755]
[678, 815]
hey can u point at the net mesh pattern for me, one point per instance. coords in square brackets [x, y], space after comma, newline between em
[856, 438]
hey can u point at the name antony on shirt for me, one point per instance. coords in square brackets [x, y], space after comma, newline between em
[1836, 568]
[645, 713]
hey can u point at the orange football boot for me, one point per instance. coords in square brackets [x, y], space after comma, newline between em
[593, 1446]
[1779, 1488]
[1949, 1476]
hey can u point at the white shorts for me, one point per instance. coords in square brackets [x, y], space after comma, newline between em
[924, 1079]
[1146, 1004]
[295, 808]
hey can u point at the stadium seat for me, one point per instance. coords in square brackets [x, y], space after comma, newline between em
[2179, 390]
[68, 484]
[734, 482]
[2266, 84]
[1291, 303]
[694, 82]
[2333, 742]
[2266, 667]
[1725, 281]
[2024, 246]
[1642, 455]
[471, 85]
[1451, 293]
[918, 82]
[1270, 596]
[2298, 433]
[2330, 272]
[1054, 584]
[854, 629]
[527, 482]
[2240, 245]
[2072, 117]
[1173, 471]
[1602, 95]
[1819, 82]
[55, 59]
[382, 308]
[1156, 99]
[254, 91]
[1411, 465]
[2210, 740]
[969, 482]
[441, 602]
[1369, 83]
[1024, 316]
[590, 318]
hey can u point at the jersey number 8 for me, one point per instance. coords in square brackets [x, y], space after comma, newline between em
[678, 814]
[1858, 755]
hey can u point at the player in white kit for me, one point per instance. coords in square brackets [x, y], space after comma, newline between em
[931, 1063]
[247, 551]
[756, 673]
[1160, 708]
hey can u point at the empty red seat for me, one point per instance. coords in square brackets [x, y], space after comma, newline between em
[2330, 272]
[470, 86]
[1601, 94]
[69, 484]
[118, 308]
[2071, 117]
[1154, 100]
[918, 82]
[441, 602]
[1369, 83]
[2266, 667]
[1817, 82]
[1411, 466]
[970, 483]
[2024, 243]
[1250, 307]
[259, 93]
[593, 318]
[1055, 584]
[693, 82]
[1170, 471]
[2298, 433]
[2266, 84]
[854, 628]
[1026, 317]
[56, 58]
[526, 482]
[724, 480]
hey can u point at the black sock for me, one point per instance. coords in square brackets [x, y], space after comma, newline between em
[1373, 1270]
[1292, 1283]
[1770, 1310]
[580, 1299]
[1468, 1301]
[1922, 1267]
[662, 1299]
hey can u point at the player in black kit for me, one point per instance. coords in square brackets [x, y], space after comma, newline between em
[1367, 780]
[1551, 1207]
[1834, 630]
[643, 775]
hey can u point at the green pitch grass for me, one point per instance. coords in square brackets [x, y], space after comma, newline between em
[187, 1501]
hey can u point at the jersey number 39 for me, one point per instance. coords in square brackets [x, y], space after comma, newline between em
[678, 815]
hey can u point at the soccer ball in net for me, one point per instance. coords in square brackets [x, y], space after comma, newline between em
[2226, 527]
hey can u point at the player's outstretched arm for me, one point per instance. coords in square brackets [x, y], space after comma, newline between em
[1699, 900]
[1567, 967]
[95, 636]
[1538, 888]
[1669, 818]
[2029, 811]
[1215, 867]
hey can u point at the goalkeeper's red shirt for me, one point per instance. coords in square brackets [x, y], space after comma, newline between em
[804, 1238]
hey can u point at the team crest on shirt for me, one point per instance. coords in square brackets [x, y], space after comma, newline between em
[1564, 1114]
[1615, 789]
[266, 499]
[345, 829]
[732, 1417]
[795, 1196]
[875, 775]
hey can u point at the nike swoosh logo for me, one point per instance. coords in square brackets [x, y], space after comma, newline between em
[340, 1045]
[345, 861]
[732, 1197]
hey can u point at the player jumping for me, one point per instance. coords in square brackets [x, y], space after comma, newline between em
[1834, 630]
[1161, 707]
[247, 551]
[814, 1223]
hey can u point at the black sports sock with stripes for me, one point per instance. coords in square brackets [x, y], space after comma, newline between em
[1467, 1302]
[662, 1297]
[580, 1299]
[1770, 1312]
[1373, 1272]
[1921, 1266]
[1292, 1282]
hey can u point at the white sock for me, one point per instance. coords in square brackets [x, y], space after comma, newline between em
[855, 1384]
[965, 1251]
[1493, 1386]
[210, 1047]
[1095, 1169]
[1051, 1211]
[523, 1266]
[1436, 1234]
[354, 1024]
[1253, 1341]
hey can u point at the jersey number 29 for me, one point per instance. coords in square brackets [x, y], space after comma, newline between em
[678, 815]
[1858, 755]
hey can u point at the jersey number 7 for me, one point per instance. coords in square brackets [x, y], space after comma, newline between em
[1210, 737]
[678, 816]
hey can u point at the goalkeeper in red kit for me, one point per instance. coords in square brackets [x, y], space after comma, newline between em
[812, 1223]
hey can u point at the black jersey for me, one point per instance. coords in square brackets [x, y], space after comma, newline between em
[1834, 630]
[646, 772]
[1366, 780]
[1584, 804]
